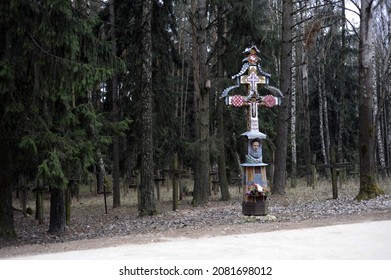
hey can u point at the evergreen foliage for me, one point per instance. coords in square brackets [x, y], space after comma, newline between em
[51, 61]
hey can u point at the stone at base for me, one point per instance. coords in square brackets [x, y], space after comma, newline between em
[255, 208]
[260, 219]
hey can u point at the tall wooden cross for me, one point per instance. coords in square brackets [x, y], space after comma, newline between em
[254, 169]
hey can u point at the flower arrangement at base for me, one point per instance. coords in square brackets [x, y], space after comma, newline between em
[257, 190]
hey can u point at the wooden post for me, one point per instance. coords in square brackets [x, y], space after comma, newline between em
[175, 183]
[157, 180]
[138, 183]
[334, 176]
[313, 171]
[125, 185]
[68, 205]
[39, 205]
[24, 201]
[105, 194]
[334, 169]
[23, 183]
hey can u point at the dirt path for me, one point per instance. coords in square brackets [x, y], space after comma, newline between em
[259, 225]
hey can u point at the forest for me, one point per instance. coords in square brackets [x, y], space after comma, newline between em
[119, 89]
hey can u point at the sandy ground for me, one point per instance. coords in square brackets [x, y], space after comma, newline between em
[358, 241]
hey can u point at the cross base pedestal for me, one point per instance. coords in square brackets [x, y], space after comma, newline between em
[258, 207]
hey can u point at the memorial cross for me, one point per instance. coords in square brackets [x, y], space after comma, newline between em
[254, 169]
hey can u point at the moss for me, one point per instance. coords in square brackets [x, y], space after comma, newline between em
[369, 192]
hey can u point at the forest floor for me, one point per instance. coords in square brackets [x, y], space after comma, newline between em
[91, 227]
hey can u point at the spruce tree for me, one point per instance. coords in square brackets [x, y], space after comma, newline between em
[53, 59]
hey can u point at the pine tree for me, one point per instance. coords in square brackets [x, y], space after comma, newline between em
[54, 59]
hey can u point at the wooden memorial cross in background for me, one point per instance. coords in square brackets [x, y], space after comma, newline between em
[175, 173]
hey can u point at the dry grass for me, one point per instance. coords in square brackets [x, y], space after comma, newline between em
[302, 193]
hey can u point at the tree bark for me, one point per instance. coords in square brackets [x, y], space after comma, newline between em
[306, 113]
[196, 80]
[7, 229]
[147, 191]
[341, 128]
[57, 210]
[388, 130]
[368, 185]
[279, 178]
[321, 98]
[294, 119]
[220, 105]
[115, 112]
[201, 181]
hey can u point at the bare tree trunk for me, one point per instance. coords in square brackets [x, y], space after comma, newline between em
[220, 121]
[147, 188]
[368, 184]
[201, 182]
[388, 130]
[341, 121]
[196, 80]
[321, 98]
[293, 120]
[115, 112]
[57, 210]
[306, 114]
[378, 124]
[279, 176]
[7, 229]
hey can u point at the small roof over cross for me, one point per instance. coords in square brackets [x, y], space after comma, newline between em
[254, 77]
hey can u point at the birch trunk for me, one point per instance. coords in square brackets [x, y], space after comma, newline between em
[293, 120]
[306, 115]
[321, 94]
